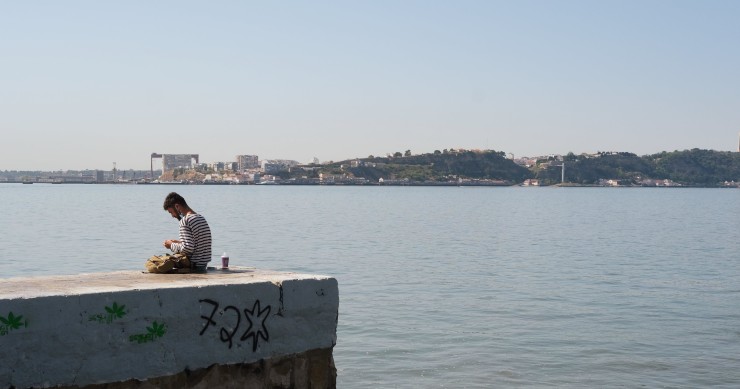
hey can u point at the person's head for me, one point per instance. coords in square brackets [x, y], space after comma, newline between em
[175, 205]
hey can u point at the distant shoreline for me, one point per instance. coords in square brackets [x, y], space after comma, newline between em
[416, 184]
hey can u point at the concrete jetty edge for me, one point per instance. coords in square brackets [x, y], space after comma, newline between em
[133, 329]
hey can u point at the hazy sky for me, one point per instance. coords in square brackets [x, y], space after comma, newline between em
[84, 84]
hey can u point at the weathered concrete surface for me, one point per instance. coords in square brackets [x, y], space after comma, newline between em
[131, 326]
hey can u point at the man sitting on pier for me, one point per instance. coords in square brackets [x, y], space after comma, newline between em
[195, 234]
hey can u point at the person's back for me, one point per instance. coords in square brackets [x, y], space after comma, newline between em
[195, 239]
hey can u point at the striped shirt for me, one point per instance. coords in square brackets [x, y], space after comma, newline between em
[195, 238]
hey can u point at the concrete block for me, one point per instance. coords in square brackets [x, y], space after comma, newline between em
[135, 327]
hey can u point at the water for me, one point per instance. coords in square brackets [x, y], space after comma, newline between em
[448, 287]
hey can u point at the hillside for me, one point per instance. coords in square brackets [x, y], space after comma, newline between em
[694, 167]
[436, 167]
[689, 167]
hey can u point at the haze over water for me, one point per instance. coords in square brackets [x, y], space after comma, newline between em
[448, 287]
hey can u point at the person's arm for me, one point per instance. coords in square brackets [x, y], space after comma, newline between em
[168, 243]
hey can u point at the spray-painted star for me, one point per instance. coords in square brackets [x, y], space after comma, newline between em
[256, 318]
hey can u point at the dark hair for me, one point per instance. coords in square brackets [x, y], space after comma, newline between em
[172, 199]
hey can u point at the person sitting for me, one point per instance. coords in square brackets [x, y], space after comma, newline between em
[195, 234]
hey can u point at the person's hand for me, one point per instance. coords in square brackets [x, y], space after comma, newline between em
[167, 243]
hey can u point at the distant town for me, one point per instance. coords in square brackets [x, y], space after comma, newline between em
[448, 167]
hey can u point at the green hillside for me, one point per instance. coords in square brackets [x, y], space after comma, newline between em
[689, 167]
[440, 166]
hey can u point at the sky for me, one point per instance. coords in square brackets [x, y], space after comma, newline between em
[84, 84]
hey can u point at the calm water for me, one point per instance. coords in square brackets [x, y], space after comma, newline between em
[448, 287]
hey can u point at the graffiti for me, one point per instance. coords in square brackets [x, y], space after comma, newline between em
[115, 311]
[111, 313]
[157, 330]
[256, 318]
[261, 332]
[12, 322]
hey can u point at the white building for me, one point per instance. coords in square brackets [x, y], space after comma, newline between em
[278, 165]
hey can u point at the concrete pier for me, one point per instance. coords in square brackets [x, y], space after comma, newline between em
[237, 328]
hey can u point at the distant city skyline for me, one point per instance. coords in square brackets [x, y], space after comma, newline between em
[86, 84]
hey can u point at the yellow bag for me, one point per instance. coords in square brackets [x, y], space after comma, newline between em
[168, 263]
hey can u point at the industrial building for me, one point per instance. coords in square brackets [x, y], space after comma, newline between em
[245, 162]
[173, 161]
